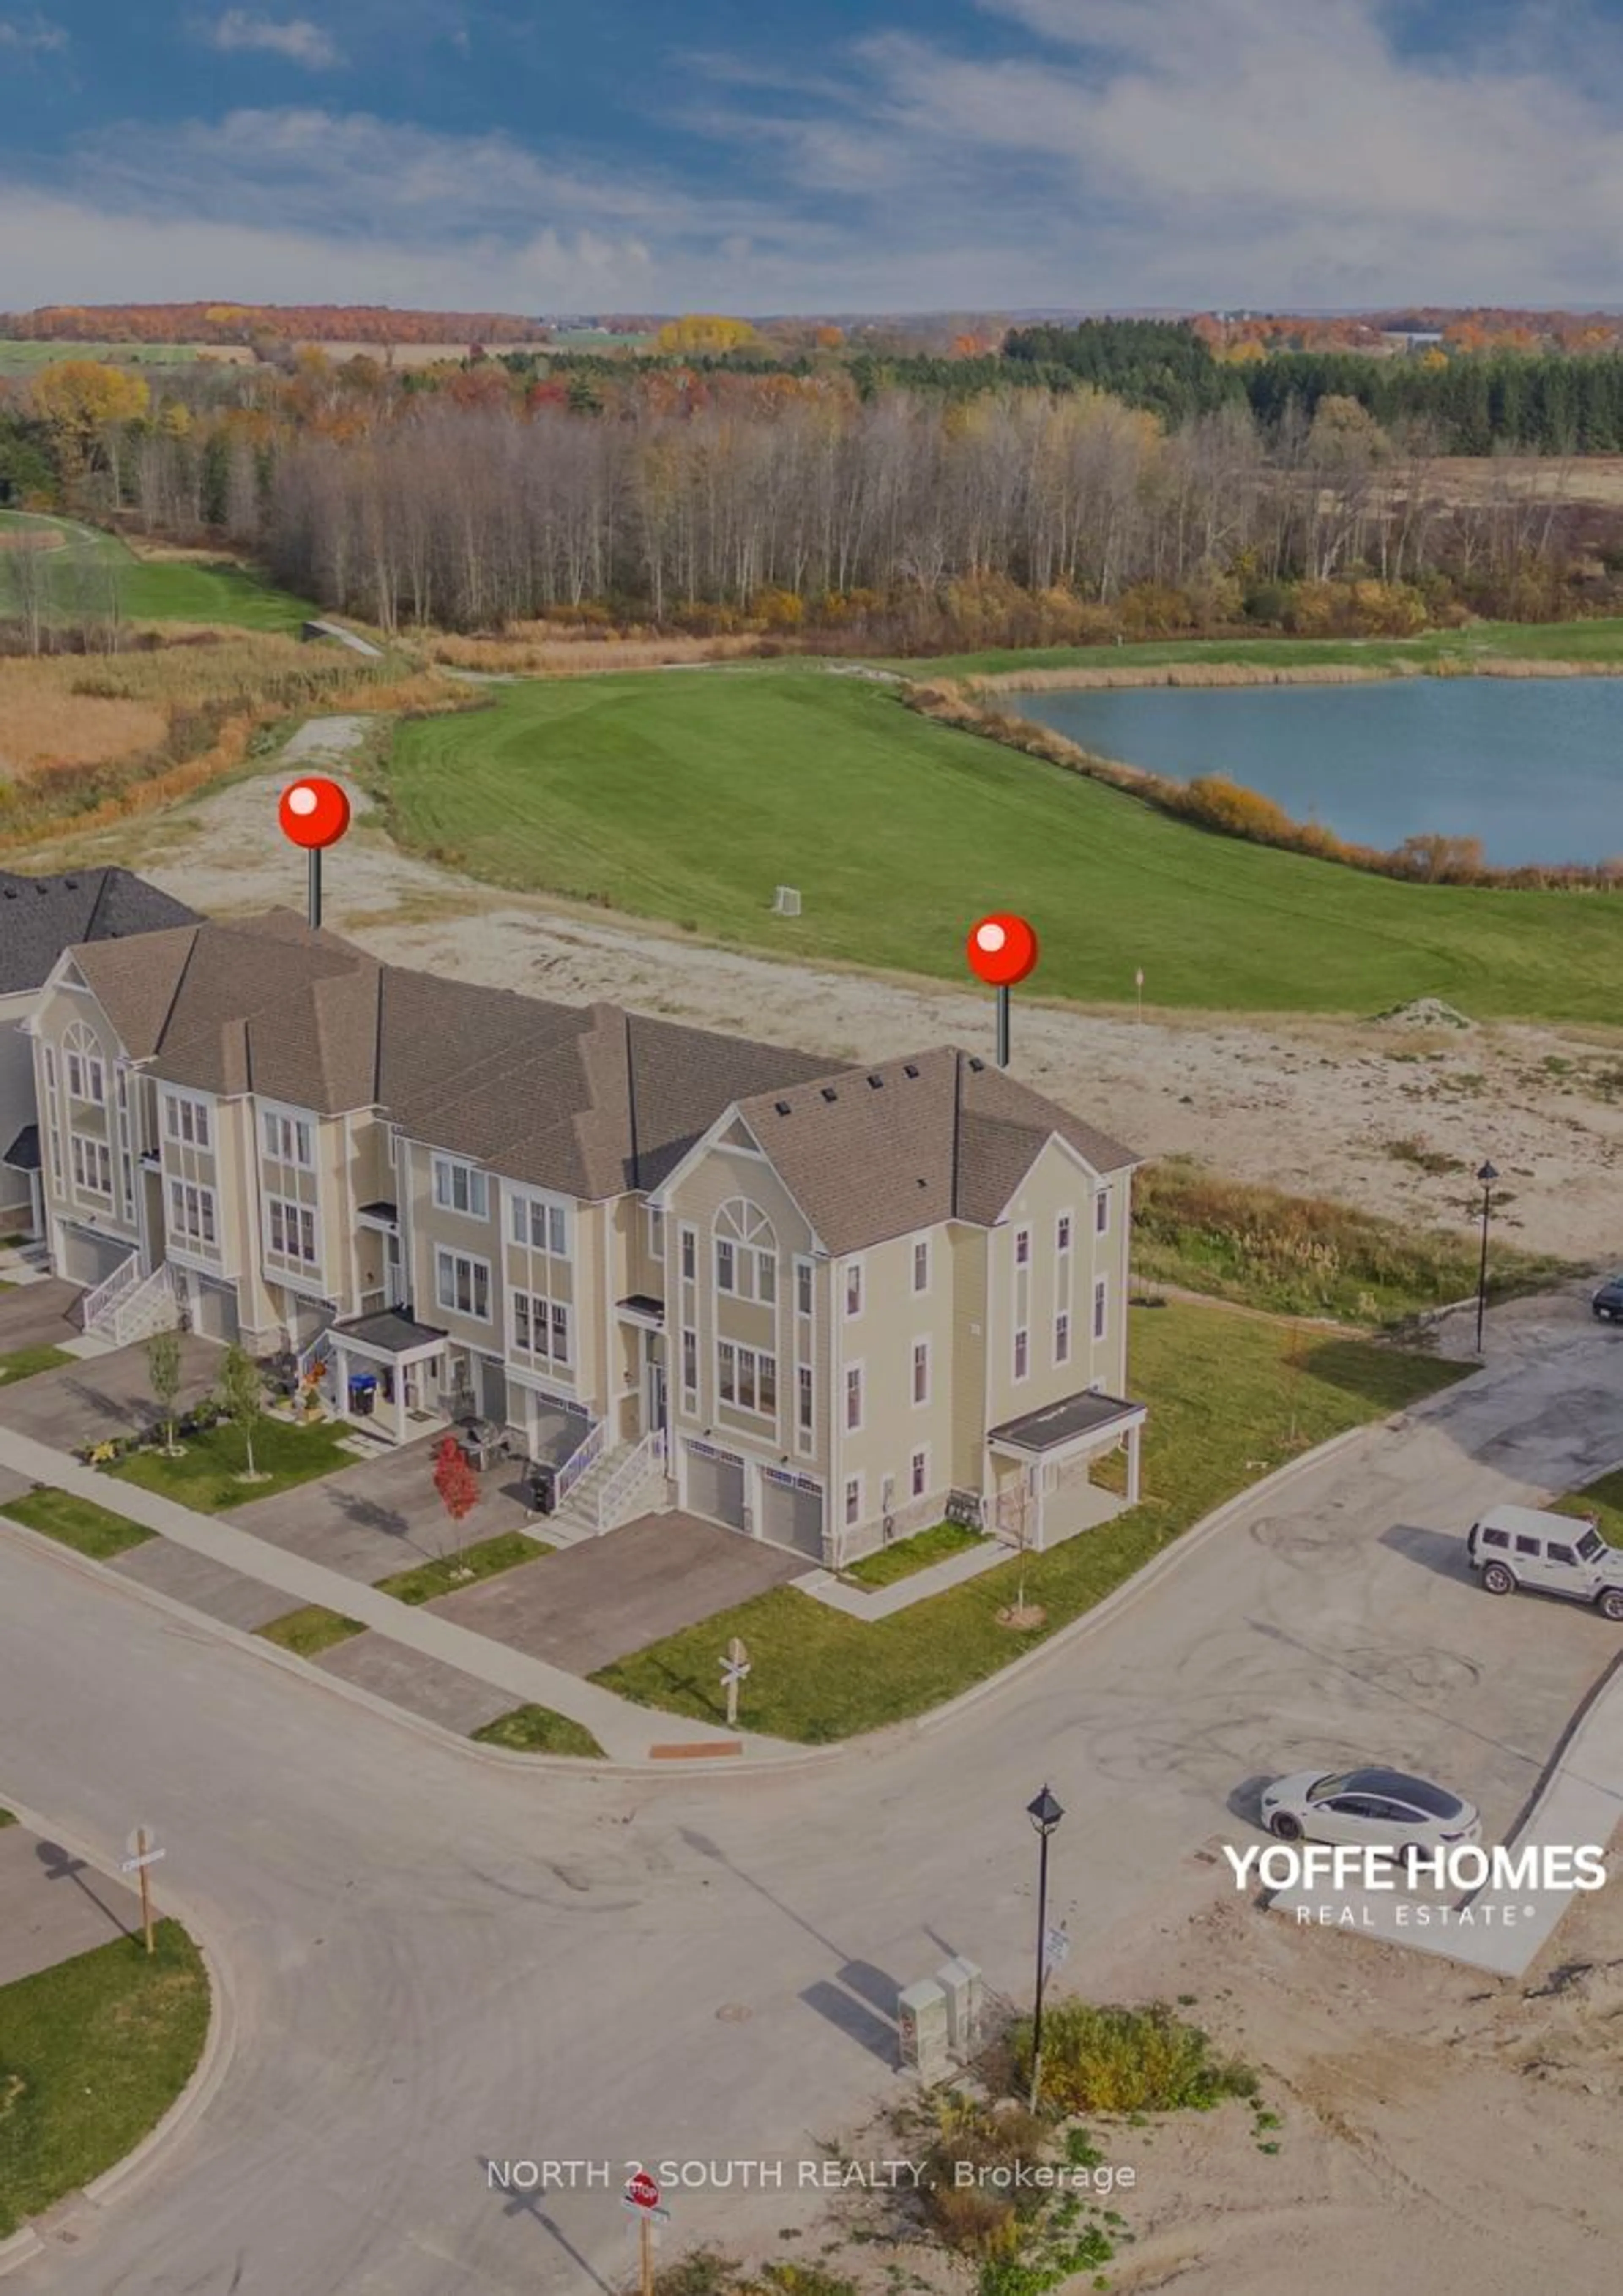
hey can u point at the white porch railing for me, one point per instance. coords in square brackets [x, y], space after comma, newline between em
[632, 1471]
[579, 1460]
[100, 1303]
[152, 1306]
[318, 1352]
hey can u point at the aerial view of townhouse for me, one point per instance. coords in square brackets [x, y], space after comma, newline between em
[821, 1308]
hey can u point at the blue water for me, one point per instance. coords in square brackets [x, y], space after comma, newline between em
[1533, 767]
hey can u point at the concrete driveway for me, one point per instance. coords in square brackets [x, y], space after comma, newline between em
[382, 1514]
[39, 1315]
[592, 1603]
[98, 1396]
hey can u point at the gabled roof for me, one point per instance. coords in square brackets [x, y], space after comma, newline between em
[590, 1101]
[41, 916]
[870, 1153]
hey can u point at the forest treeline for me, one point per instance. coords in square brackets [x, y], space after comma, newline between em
[1152, 489]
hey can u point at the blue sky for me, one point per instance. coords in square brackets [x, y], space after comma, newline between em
[830, 155]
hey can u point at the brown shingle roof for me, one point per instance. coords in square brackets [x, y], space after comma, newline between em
[591, 1101]
[870, 1153]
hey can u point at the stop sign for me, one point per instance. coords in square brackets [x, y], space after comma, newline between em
[642, 2192]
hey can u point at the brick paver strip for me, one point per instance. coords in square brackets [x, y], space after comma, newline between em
[691, 1753]
[620, 1728]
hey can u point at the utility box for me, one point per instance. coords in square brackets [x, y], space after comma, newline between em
[960, 1981]
[921, 2013]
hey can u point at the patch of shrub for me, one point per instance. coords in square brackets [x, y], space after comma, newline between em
[1117, 2060]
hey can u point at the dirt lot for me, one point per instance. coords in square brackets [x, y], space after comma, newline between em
[1340, 1107]
[1439, 2131]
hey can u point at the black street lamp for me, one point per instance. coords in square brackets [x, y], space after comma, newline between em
[1044, 1814]
[1485, 1181]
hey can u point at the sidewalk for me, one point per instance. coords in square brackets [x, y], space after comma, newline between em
[625, 1732]
[53, 1907]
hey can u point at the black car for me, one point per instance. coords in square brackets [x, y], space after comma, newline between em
[1608, 1302]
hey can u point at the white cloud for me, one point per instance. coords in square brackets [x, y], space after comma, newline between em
[295, 39]
[1198, 152]
[36, 36]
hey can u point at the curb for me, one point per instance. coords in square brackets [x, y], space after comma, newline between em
[213, 2064]
[867, 1744]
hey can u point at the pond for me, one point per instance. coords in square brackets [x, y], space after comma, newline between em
[1533, 767]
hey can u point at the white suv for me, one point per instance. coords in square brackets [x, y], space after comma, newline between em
[1550, 1554]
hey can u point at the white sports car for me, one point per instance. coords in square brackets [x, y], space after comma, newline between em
[1371, 1809]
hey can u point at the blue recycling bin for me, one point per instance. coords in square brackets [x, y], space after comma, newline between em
[363, 1394]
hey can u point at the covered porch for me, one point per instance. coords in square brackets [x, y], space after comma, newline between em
[1041, 1468]
[386, 1372]
[22, 1158]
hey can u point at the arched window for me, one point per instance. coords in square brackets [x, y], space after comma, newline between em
[746, 1252]
[86, 1070]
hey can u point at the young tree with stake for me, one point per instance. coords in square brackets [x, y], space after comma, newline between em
[163, 1377]
[242, 1395]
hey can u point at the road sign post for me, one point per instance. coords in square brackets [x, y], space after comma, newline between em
[733, 1668]
[643, 2199]
[144, 1852]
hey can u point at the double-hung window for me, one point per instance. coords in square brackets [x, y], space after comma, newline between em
[287, 1139]
[747, 1378]
[536, 1221]
[92, 1165]
[462, 1283]
[540, 1327]
[459, 1188]
[292, 1230]
[186, 1120]
[191, 1213]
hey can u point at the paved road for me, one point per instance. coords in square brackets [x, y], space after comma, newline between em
[435, 1960]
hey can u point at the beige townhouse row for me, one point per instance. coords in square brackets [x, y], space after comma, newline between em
[822, 1308]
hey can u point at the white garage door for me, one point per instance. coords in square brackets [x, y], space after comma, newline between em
[89, 1258]
[716, 1485]
[791, 1511]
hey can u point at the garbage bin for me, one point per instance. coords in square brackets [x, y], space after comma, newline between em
[543, 1488]
[364, 1394]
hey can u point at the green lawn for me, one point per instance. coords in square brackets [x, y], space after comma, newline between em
[1225, 1404]
[95, 570]
[537, 1730]
[911, 1554]
[610, 789]
[208, 1473]
[1603, 1499]
[23, 1363]
[1598, 641]
[448, 1572]
[6, 1818]
[78, 1523]
[92, 2053]
[309, 1630]
[21, 354]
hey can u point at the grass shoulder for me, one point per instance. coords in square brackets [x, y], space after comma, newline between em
[537, 1730]
[309, 1630]
[446, 1574]
[24, 1363]
[96, 2050]
[1231, 1398]
[79, 1523]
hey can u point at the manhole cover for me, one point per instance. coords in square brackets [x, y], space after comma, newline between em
[733, 2012]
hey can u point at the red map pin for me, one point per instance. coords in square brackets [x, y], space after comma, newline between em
[314, 812]
[1002, 950]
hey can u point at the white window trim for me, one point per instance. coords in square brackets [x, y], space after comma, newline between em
[655, 1233]
[806, 1430]
[82, 1159]
[922, 1243]
[858, 1370]
[542, 1312]
[1101, 1212]
[921, 1402]
[758, 1356]
[1102, 1311]
[477, 1176]
[922, 1452]
[1061, 1329]
[1022, 1232]
[856, 1266]
[175, 1101]
[523, 1204]
[293, 1259]
[444, 1252]
[850, 1516]
[208, 1217]
[294, 1120]
[688, 1342]
[687, 1247]
[808, 1269]
[1021, 1332]
[1067, 1220]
